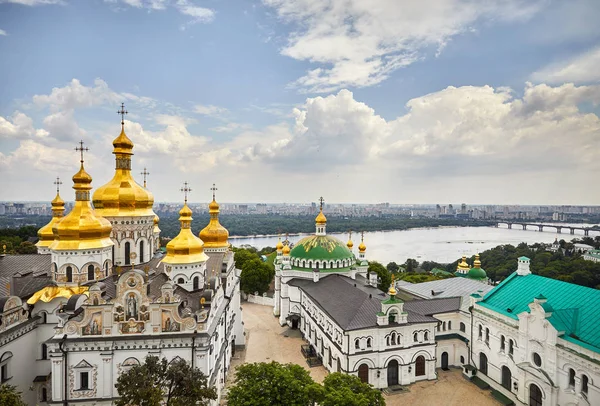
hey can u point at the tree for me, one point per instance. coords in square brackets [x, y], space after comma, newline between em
[392, 267]
[26, 248]
[256, 276]
[9, 396]
[349, 390]
[157, 382]
[273, 383]
[242, 255]
[385, 278]
[411, 265]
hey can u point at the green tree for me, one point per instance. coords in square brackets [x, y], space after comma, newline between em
[349, 390]
[242, 255]
[411, 265]
[26, 248]
[266, 384]
[159, 383]
[9, 396]
[392, 267]
[256, 276]
[385, 278]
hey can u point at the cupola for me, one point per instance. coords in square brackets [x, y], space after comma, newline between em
[45, 234]
[214, 235]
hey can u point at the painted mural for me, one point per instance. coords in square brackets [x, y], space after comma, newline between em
[94, 327]
[168, 323]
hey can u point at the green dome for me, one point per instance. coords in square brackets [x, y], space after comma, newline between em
[321, 247]
[477, 274]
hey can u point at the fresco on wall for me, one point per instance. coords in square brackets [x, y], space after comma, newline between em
[94, 327]
[168, 323]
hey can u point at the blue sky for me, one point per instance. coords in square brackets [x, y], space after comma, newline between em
[282, 101]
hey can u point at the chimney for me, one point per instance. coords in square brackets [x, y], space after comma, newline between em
[523, 267]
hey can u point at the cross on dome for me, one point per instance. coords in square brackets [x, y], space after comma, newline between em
[57, 182]
[321, 201]
[144, 174]
[214, 189]
[185, 189]
[81, 149]
[122, 112]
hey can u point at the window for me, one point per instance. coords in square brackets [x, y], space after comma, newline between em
[537, 360]
[463, 328]
[502, 343]
[180, 281]
[426, 336]
[510, 347]
[480, 335]
[69, 274]
[584, 385]
[462, 359]
[84, 380]
[369, 344]
[44, 351]
[571, 378]
[5, 367]
[444, 326]
[196, 283]
[415, 337]
[487, 335]
[142, 251]
[357, 344]
[44, 395]
[393, 338]
[127, 253]
[449, 325]
[90, 272]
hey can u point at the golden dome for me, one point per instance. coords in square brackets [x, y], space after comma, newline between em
[286, 250]
[350, 244]
[48, 293]
[82, 228]
[321, 219]
[362, 247]
[156, 229]
[214, 234]
[186, 248]
[463, 265]
[477, 262]
[45, 233]
[122, 196]
[392, 291]
[279, 245]
[156, 219]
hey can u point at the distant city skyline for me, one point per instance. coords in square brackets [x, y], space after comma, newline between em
[412, 102]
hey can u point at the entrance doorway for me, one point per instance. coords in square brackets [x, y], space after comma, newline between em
[483, 363]
[294, 323]
[363, 373]
[445, 361]
[420, 366]
[506, 377]
[392, 373]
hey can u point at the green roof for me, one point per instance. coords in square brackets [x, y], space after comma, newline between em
[574, 307]
[524, 258]
[477, 274]
[593, 253]
[321, 247]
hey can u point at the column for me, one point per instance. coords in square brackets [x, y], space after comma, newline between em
[107, 386]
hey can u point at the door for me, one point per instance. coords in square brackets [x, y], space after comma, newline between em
[294, 323]
[506, 377]
[363, 373]
[535, 395]
[445, 361]
[392, 373]
[420, 366]
[483, 363]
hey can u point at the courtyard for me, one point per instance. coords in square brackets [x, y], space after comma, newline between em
[267, 341]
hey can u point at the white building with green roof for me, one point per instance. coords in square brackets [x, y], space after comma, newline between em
[592, 255]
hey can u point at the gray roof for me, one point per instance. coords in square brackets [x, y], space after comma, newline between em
[350, 303]
[450, 287]
[433, 306]
[23, 268]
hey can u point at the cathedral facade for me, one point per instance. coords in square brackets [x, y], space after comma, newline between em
[100, 296]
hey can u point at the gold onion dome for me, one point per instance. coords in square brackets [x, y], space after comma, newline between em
[286, 250]
[82, 228]
[362, 247]
[122, 195]
[214, 234]
[156, 221]
[186, 248]
[463, 265]
[45, 234]
[279, 245]
[350, 244]
[392, 291]
[321, 219]
[477, 262]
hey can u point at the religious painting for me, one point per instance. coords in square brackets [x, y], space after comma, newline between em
[94, 327]
[131, 307]
[168, 324]
[132, 327]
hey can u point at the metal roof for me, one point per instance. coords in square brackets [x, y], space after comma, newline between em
[450, 287]
[574, 306]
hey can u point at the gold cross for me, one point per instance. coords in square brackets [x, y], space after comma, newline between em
[185, 189]
[145, 173]
[81, 149]
[57, 182]
[122, 112]
[321, 201]
[214, 189]
[362, 236]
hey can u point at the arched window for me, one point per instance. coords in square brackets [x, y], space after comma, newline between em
[571, 378]
[426, 336]
[415, 337]
[483, 363]
[142, 259]
[127, 253]
[393, 338]
[502, 343]
[113, 254]
[5, 366]
[506, 378]
[90, 272]
[480, 335]
[463, 328]
[487, 335]
[106, 267]
[69, 274]
[584, 384]
[44, 351]
[535, 395]
[369, 342]
[324, 265]
[181, 281]
[449, 325]
[196, 283]
[357, 344]
[444, 326]
[510, 347]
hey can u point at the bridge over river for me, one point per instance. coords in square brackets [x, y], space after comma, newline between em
[558, 227]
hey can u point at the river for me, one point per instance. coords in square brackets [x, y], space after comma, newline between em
[429, 244]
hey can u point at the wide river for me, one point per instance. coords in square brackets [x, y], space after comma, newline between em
[434, 244]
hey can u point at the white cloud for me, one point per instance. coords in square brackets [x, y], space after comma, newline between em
[359, 43]
[2, 32]
[20, 126]
[582, 68]
[230, 127]
[185, 7]
[210, 110]
[33, 2]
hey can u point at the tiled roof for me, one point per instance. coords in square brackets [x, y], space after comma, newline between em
[433, 306]
[450, 287]
[25, 266]
[349, 302]
[575, 307]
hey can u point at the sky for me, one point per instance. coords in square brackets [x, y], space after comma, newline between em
[400, 101]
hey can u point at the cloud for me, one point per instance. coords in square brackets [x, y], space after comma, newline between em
[185, 7]
[33, 2]
[2, 32]
[210, 110]
[20, 126]
[230, 127]
[358, 43]
[582, 68]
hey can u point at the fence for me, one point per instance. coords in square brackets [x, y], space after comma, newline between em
[261, 300]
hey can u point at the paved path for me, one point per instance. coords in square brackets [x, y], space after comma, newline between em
[267, 341]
